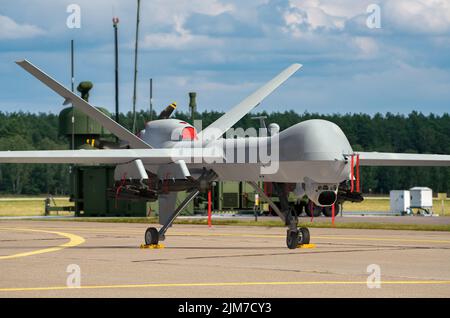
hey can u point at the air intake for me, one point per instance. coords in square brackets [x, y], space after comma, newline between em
[327, 198]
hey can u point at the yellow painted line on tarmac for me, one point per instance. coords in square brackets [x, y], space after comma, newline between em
[74, 240]
[314, 237]
[204, 234]
[230, 284]
[393, 239]
[382, 239]
[227, 235]
[137, 232]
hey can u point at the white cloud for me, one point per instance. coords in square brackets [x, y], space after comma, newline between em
[367, 46]
[343, 8]
[173, 13]
[9, 29]
[161, 13]
[166, 9]
[423, 16]
[411, 16]
[188, 53]
[303, 16]
[179, 38]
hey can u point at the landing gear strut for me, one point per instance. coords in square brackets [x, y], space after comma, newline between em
[294, 236]
[152, 235]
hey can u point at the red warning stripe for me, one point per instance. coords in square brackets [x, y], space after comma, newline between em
[357, 174]
[352, 183]
[209, 208]
[333, 212]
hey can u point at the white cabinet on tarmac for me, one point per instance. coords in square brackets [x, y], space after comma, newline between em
[421, 197]
[400, 201]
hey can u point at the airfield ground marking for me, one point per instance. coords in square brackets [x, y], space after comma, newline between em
[318, 237]
[277, 236]
[231, 284]
[74, 240]
[337, 237]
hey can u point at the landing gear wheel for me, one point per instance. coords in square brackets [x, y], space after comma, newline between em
[313, 210]
[292, 239]
[151, 236]
[303, 236]
[327, 211]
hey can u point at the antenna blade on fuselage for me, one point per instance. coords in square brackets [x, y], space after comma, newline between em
[85, 107]
[221, 125]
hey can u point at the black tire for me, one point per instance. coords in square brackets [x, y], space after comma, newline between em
[292, 239]
[316, 210]
[327, 211]
[304, 236]
[151, 236]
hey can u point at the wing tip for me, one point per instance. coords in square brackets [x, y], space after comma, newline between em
[22, 63]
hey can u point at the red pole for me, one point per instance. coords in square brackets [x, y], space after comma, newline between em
[357, 173]
[352, 184]
[332, 213]
[209, 208]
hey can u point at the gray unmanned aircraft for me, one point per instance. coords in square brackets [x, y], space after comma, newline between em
[313, 157]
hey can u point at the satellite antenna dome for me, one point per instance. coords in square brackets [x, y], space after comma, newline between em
[84, 88]
[274, 128]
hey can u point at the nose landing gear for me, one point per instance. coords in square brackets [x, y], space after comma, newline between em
[151, 236]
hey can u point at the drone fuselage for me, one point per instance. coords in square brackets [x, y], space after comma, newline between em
[310, 152]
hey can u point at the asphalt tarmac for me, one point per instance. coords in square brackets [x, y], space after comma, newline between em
[51, 258]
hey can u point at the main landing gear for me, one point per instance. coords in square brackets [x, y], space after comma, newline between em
[295, 236]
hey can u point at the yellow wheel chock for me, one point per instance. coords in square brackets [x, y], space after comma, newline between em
[306, 246]
[152, 246]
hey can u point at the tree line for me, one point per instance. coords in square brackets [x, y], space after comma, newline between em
[412, 133]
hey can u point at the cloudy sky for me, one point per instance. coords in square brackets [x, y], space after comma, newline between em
[226, 49]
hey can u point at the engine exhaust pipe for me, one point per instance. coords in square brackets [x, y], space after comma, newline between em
[327, 198]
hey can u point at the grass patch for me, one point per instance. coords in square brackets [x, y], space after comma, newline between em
[30, 206]
[382, 204]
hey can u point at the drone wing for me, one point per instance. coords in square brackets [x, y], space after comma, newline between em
[402, 159]
[113, 156]
[81, 104]
[221, 125]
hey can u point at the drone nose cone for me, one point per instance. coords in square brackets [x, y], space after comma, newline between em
[314, 140]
